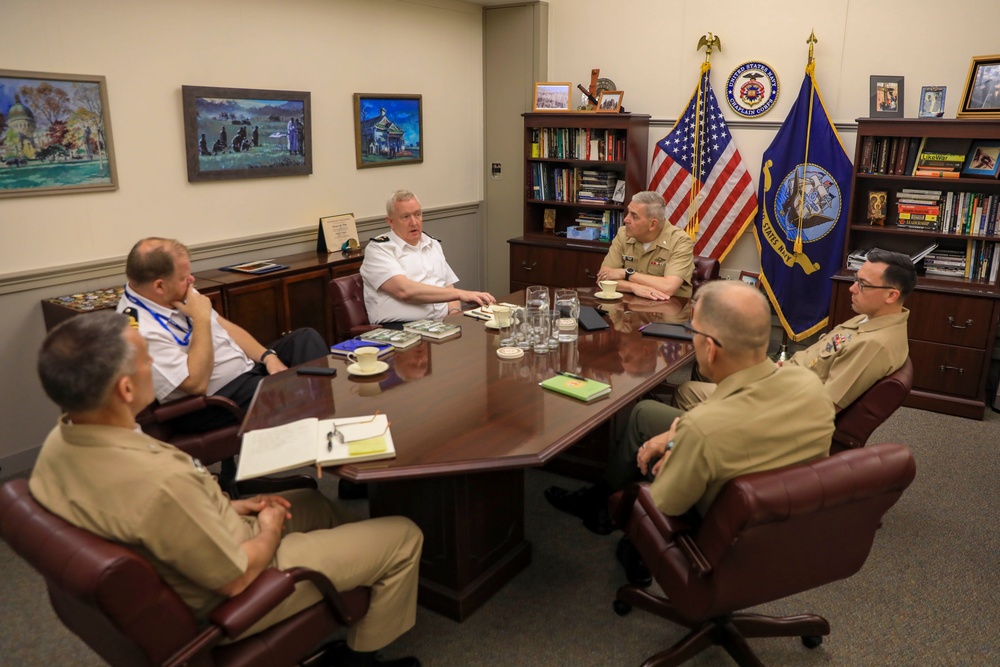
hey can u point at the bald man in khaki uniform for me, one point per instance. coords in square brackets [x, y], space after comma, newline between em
[858, 353]
[649, 257]
[99, 472]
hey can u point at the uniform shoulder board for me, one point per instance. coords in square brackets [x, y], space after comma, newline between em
[133, 316]
[431, 237]
[381, 239]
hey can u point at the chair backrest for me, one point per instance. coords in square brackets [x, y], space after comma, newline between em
[856, 423]
[775, 533]
[107, 594]
[346, 295]
[705, 269]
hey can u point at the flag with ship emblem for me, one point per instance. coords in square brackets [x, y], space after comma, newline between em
[804, 193]
[701, 175]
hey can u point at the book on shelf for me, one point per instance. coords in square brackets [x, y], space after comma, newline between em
[911, 155]
[934, 173]
[920, 254]
[256, 268]
[432, 329]
[343, 348]
[576, 386]
[398, 339]
[321, 442]
[940, 150]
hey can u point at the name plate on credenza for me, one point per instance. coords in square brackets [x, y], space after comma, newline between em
[335, 231]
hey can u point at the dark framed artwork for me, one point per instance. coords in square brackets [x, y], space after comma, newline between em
[981, 98]
[388, 129]
[983, 159]
[233, 133]
[55, 134]
[885, 97]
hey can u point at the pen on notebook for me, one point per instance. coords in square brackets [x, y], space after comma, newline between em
[572, 375]
[329, 441]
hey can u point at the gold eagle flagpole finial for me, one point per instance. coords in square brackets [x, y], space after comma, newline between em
[709, 42]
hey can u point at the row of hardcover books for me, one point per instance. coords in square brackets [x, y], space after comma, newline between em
[573, 184]
[980, 261]
[932, 157]
[964, 213]
[578, 143]
[608, 222]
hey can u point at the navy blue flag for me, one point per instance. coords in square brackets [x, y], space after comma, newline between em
[804, 192]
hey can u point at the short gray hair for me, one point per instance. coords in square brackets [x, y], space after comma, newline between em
[397, 196]
[82, 358]
[655, 206]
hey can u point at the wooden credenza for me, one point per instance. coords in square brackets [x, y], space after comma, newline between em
[267, 306]
[554, 263]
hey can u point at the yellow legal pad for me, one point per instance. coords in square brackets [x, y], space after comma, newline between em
[367, 446]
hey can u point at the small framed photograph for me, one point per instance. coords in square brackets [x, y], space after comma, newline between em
[932, 101]
[981, 98]
[388, 130]
[552, 96]
[886, 97]
[983, 159]
[610, 101]
[750, 278]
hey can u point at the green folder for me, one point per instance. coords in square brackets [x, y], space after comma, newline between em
[577, 387]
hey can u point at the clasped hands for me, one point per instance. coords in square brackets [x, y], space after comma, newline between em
[271, 511]
[655, 447]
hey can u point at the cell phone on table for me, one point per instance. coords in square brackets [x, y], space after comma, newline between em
[317, 370]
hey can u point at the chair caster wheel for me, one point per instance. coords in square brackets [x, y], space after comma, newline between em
[622, 608]
[812, 641]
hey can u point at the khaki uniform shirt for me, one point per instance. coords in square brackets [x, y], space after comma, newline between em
[150, 496]
[671, 254]
[856, 354]
[759, 418]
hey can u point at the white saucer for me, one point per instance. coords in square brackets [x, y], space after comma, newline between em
[606, 297]
[491, 324]
[380, 367]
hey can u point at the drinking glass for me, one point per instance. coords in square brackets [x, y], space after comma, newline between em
[521, 330]
[553, 333]
[567, 305]
[538, 323]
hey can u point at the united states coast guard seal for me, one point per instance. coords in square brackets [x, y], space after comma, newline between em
[752, 89]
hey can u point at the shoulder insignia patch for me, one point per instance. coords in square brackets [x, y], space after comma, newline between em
[431, 237]
[133, 316]
[380, 239]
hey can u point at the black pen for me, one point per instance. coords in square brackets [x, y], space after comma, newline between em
[329, 441]
[572, 375]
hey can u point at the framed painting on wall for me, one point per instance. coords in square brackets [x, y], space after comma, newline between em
[388, 129]
[233, 133]
[55, 134]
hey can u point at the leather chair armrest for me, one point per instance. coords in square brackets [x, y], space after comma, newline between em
[673, 528]
[329, 591]
[237, 614]
[164, 412]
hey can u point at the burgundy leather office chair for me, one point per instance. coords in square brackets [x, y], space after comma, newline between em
[768, 535]
[112, 599]
[346, 295]
[856, 423]
[705, 269]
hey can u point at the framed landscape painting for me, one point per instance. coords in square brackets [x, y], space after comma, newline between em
[388, 129]
[232, 133]
[55, 134]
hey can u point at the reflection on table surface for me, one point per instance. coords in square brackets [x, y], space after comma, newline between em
[456, 407]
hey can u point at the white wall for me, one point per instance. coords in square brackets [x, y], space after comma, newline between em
[648, 48]
[147, 51]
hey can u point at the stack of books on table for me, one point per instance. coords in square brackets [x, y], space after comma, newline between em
[398, 339]
[432, 329]
[941, 262]
[919, 209]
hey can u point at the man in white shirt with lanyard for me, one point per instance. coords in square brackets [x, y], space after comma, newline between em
[405, 273]
[194, 350]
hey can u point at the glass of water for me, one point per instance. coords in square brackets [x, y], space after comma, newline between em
[567, 309]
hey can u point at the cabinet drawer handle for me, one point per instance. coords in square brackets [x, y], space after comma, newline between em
[953, 368]
[524, 265]
[951, 321]
[590, 275]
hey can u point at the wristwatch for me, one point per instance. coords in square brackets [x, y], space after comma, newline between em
[268, 352]
[629, 273]
[669, 447]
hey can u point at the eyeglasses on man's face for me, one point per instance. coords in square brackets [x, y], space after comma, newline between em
[862, 285]
[690, 329]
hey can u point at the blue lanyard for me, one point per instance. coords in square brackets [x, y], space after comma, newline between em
[165, 322]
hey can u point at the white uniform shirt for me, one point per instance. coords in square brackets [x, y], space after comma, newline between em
[422, 263]
[170, 357]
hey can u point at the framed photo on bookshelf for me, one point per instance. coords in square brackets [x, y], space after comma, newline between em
[750, 278]
[610, 101]
[932, 101]
[886, 96]
[552, 96]
[981, 98]
[983, 159]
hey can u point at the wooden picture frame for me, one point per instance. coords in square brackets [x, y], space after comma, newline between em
[254, 133]
[983, 159]
[932, 101]
[610, 101]
[65, 149]
[552, 96]
[885, 96]
[388, 129]
[749, 278]
[981, 98]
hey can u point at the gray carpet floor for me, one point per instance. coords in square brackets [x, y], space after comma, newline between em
[927, 596]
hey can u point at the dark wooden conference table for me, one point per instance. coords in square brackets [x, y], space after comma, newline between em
[466, 424]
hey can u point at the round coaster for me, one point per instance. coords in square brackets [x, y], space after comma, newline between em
[510, 353]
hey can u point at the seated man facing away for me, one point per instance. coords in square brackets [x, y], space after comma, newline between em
[98, 471]
[194, 350]
[405, 273]
[864, 349]
[760, 417]
[649, 256]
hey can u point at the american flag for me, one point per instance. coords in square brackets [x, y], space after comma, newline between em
[724, 196]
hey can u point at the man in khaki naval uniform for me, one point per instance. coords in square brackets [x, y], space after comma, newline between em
[98, 471]
[649, 257]
[864, 349]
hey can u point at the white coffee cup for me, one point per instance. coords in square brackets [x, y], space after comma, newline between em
[502, 315]
[608, 287]
[365, 358]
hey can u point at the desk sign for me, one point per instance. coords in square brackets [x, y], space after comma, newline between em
[337, 233]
